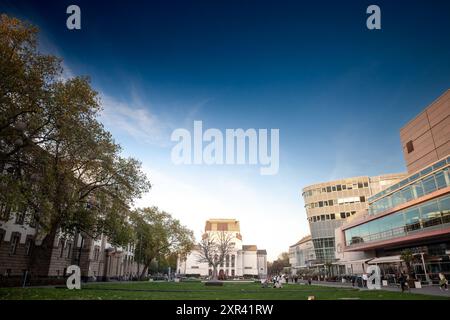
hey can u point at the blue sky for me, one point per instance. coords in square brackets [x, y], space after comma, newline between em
[338, 92]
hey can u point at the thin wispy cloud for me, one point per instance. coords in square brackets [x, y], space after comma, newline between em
[134, 120]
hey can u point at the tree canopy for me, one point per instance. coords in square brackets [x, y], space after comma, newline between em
[158, 235]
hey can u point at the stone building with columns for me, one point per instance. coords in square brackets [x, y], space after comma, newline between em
[244, 260]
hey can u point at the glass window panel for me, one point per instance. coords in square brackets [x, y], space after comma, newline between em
[364, 230]
[412, 219]
[414, 177]
[407, 194]
[430, 214]
[396, 220]
[426, 171]
[444, 207]
[374, 228]
[439, 164]
[397, 198]
[440, 180]
[417, 189]
[429, 185]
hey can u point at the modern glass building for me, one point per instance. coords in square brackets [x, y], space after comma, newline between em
[328, 205]
[412, 214]
[431, 184]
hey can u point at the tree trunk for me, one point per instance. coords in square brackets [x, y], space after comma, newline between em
[144, 271]
[39, 262]
[214, 275]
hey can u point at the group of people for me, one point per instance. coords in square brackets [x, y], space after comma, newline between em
[402, 279]
[274, 281]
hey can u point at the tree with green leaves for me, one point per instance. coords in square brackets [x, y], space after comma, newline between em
[407, 257]
[57, 161]
[158, 235]
[276, 267]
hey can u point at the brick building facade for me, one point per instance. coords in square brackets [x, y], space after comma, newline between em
[98, 259]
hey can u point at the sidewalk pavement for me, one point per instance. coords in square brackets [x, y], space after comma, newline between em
[431, 290]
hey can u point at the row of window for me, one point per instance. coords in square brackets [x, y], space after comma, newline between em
[429, 214]
[331, 216]
[324, 249]
[65, 249]
[5, 215]
[338, 187]
[438, 180]
[412, 178]
[329, 203]
[14, 243]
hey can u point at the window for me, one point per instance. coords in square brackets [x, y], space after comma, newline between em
[409, 146]
[360, 185]
[20, 215]
[342, 215]
[429, 185]
[2, 236]
[330, 202]
[28, 246]
[412, 219]
[69, 249]
[328, 217]
[232, 262]
[366, 184]
[430, 214]
[338, 187]
[333, 216]
[440, 179]
[15, 238]
[96, 253]
[61, 243]
[33, 221]
[407, 194]
[362, 199]
[5, 211]
[222, 226]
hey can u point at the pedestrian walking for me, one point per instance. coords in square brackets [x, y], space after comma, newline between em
[403, 282]
[443, 282]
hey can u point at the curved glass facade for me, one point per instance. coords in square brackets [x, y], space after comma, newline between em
[433, 214]
[420, 187]
[416, 176]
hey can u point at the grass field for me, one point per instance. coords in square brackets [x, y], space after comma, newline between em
[198, 291]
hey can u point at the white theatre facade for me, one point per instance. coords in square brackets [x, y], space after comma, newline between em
[243, 261]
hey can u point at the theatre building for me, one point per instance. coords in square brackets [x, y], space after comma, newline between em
[414, 213]
[243, 261]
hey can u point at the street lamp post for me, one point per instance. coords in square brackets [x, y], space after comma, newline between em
[427, 278]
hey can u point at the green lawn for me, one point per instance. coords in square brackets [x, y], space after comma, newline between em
[197, 290]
